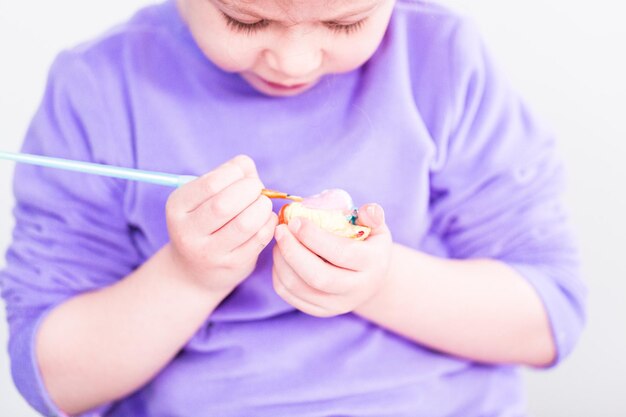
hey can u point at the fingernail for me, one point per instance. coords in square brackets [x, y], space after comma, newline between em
[295, 224]
[376, 214]
[372, 211]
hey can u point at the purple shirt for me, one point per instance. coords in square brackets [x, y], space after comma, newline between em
[428, 128]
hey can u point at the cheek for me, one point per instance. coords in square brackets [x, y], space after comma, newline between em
[348, 55]
[230, 57]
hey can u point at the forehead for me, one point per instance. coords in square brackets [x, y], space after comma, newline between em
[300, 9]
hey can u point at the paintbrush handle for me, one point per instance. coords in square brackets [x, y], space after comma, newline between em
[153, 177]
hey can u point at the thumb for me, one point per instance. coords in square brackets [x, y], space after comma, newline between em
[372, 216]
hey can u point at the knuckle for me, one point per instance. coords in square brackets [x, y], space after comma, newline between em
[244, 225]
[185, 243]
[220, 207]
[246, 163]
[257, 183]
[209, 186]
[252, 188]
[318, 282]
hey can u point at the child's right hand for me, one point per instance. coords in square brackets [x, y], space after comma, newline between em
[218, 225]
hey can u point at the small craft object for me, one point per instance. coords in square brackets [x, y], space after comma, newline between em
[332, 210]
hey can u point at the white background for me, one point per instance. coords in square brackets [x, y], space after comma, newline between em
[567, 57]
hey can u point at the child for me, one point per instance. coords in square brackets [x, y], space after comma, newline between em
[125, 299]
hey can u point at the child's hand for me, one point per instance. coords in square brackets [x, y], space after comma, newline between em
[326, 275]
[218, 225]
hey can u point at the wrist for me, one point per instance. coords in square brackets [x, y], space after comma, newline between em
[183, 279]
[410, 271]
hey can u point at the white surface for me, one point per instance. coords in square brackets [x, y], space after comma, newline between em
[568, 58]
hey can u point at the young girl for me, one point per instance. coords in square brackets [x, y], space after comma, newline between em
[125, 299]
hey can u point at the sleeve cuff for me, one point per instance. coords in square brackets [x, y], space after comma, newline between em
[564, 309]
[27, 376]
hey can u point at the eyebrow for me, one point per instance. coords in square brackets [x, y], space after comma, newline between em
[358, 12]
[337, 18]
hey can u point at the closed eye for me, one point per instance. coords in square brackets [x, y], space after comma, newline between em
[242, 27]
[347, 29]
[250, 28]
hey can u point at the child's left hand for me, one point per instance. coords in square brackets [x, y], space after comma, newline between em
[325, 275]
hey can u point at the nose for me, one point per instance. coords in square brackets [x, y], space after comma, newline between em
[295, 55]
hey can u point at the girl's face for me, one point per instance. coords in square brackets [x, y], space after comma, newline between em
[284, 47]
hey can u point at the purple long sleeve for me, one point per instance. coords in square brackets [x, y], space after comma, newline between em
[429, 115]
[71, 234]
[497, 185]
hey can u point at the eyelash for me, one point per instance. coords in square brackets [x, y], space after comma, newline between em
[250, 28]
[347, 29]
[247, 28]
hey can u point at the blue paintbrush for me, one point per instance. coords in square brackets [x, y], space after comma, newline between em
[153, 177]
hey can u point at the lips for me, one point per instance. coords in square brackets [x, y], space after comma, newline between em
[284, 87]
[274, 88]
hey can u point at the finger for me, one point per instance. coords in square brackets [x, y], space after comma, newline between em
[191, 195]
[340, 251]
[247, 165]
[372, 216]
[245, 225]
[294, 283]
[298, 303]
[255, 245]
[214, 213]
[310, 267]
